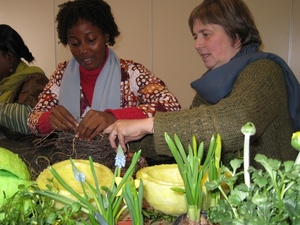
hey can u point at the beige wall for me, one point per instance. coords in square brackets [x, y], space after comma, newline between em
[155, 33]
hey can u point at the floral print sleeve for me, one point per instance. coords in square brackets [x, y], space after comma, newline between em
[140, 88]
[48, 99]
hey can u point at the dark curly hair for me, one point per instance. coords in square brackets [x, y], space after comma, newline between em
[97, 12]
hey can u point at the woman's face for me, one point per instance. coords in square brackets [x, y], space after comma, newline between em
[213, 44]
[5, 65]
[87, 44]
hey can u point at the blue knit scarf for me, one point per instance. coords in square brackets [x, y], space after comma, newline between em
[106, 92]
[228, 73]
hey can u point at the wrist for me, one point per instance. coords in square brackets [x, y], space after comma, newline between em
[150, 129]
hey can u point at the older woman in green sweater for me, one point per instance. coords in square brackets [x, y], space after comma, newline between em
[242, 85]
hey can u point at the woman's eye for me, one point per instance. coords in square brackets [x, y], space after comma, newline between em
[92, 40]
[74, 44]
[206, 35]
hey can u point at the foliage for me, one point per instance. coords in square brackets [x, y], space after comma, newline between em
[271, 196]
[109, 206]
[134, 200]
[31, 205]
[26, 207]
[192, 171]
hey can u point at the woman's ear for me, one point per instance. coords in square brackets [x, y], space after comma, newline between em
[106, 38]
[11, 57]
[237, 43]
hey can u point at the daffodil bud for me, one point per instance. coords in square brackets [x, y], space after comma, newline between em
[296, 140]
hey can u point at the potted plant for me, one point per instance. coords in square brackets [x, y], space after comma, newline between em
[109, 206]
[194, 169]
[267, 196]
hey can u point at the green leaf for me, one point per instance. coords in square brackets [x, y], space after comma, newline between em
[258, 199]
[177, 189]
[212, 185]
[5, 173]
[236, 163]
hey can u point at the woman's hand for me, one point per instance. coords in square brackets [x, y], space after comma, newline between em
[93, 123]
[128, 130]
[62, 119]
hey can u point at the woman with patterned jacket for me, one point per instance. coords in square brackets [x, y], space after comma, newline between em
[20, 83]
[95, 88]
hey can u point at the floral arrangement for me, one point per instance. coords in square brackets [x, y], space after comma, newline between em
[109, 206]
[266, 196]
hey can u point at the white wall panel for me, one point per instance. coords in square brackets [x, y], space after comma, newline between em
[295, 45]
[174, 58]
[33, 20]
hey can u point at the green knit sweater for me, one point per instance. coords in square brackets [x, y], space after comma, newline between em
[259, 96]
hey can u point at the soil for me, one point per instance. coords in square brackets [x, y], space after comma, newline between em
[183, 220]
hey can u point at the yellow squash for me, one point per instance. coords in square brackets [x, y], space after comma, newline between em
[64, 169]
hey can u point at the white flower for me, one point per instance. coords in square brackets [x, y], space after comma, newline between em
[79, 176]
[120, 158]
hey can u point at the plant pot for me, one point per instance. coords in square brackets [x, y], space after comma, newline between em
[125, 219]
[182, 220]
[127, 222]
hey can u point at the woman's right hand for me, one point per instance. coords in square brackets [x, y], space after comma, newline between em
[128, 130]
[62, 119]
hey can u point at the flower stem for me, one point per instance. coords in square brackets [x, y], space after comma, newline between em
[248, 129]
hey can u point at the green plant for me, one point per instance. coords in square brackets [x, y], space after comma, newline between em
[192, 171]
[270, 196]
[109, 206]
[26, 207]
[32, 205]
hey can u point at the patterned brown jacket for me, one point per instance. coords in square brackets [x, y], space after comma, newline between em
[139, 88]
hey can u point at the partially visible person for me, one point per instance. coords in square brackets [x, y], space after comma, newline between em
[95, 88]
[242, 84]
[20, 84]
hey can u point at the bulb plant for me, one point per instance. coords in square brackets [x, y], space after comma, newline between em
[192, 165]
[212, 197]
[110, 202]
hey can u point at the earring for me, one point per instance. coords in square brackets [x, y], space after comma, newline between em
[107, 39]
[11, 69]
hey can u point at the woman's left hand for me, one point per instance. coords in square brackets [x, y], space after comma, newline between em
[93, 123]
